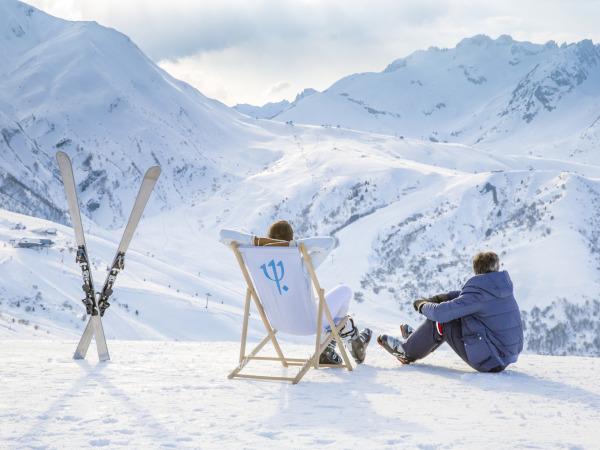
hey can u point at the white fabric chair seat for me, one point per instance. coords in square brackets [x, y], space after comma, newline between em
[285, 293]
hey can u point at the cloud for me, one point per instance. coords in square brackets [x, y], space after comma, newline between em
[177, 28]
[279, 87]
[238, 51]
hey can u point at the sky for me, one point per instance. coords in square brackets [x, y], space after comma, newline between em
[260, 51]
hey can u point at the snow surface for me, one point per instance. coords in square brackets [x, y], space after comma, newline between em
[166, 383]
[177, 395]
[408, 215]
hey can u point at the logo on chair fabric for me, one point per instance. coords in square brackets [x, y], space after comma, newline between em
[276, 277]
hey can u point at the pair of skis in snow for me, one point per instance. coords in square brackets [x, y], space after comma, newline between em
[96, 303]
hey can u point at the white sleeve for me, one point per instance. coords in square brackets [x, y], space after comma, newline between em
[318, 248]
[227, 236]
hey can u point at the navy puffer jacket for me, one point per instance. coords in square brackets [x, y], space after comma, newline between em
[490, 319]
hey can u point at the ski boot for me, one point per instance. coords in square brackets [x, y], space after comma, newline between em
[406, 330]
[358, 345]
[329, 355]
[394, 346]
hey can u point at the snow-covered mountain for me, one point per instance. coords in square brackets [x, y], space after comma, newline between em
[271, 110]
[408, 213]
[89, 91]
[500, 95]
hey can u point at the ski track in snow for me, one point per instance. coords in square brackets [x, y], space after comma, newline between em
[177, 395]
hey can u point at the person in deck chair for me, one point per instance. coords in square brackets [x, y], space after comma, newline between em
[338, 299]
[482, 322]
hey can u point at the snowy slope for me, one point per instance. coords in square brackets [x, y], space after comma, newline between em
[408, 214]
[176, 394]
[405, 229]
[500, 95]
[41, 292]
[89, 91]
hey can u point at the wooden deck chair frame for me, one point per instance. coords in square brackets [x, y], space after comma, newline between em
[304, 363]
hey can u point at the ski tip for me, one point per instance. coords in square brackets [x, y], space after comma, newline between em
[153, 173]
[61, 155]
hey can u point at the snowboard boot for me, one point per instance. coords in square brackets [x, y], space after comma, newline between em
[394, 346]
[329, 355]
[358, 345]
[406, 331]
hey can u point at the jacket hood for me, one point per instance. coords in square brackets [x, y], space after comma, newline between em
[498, 284]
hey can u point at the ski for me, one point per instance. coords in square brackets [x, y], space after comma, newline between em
[66, 170]
[97, 302]
[118, 263]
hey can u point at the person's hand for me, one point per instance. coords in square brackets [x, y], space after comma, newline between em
[418, 304]
[439, 298]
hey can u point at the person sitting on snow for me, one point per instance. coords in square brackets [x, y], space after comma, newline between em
[482, 322]
[338, 299]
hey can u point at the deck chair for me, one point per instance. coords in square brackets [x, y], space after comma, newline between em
[274, 273]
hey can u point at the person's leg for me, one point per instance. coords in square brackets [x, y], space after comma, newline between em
[452, 333]
[418, 344]
[454, 337]
[424, 340]
[338, 302]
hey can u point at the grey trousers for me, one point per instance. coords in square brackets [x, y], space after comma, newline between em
[426, 338]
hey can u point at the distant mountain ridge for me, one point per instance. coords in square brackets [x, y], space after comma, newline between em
[492, 94]
[271, 110]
